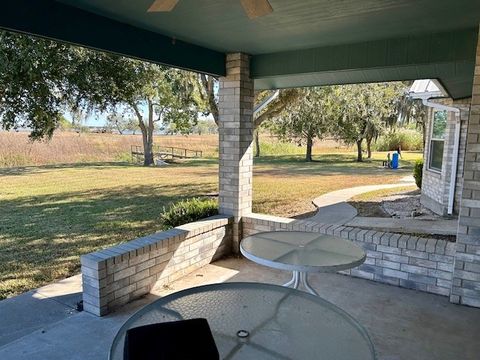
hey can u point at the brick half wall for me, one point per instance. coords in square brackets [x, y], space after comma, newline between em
[115, 276]
[395, 259]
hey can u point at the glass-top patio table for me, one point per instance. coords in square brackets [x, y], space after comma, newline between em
[302, 253]
[261, 322]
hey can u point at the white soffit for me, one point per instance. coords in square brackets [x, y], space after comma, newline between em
[427, 88]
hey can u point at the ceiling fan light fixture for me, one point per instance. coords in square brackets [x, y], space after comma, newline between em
[253, 8]
[162, 5]
[256, 8]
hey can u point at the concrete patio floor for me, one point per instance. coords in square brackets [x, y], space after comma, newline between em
[403, 324]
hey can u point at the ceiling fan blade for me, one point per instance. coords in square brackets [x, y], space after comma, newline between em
[162, 5]
[256, 8]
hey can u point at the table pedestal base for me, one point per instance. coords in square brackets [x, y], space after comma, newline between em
[300, 277]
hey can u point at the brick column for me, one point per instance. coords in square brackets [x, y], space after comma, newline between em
[466, 276]
[236, 136]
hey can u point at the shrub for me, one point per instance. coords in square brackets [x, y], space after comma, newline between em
[187, 211]
[418, 173]
[278, 147]
[13, 160]
[409, 140]
[125, 157]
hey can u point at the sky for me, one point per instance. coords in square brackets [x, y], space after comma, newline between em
[100, 119]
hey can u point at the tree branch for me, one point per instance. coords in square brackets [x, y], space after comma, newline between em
[208, 86]
[139, 116]
[275, 108]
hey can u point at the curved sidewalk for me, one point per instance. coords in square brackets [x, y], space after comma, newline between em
[332, 207]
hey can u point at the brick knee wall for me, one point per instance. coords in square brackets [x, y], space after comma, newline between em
[120, 274]
[395, 259]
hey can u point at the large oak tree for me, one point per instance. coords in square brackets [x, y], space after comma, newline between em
[41, 79]
[306, 117]
[151, 93]
[35, 79]
[362, 110]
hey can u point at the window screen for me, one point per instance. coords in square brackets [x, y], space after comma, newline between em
[437, 142]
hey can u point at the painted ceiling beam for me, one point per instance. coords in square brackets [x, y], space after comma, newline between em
[57, 21]
[449, 57]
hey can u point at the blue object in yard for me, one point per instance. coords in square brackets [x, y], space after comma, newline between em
[395, 160]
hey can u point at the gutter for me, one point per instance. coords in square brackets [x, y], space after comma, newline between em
[456, 146]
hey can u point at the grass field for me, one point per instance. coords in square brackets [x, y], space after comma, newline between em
[52, 214]
[71, 148]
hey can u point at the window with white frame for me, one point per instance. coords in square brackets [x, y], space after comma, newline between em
[437, 142]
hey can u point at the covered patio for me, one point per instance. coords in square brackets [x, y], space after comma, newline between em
[301, 43]
[403, 324]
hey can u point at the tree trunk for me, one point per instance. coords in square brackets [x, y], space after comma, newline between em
[209, 86]
[147, 148]
[359, 150]
[257, 144]
[369, 148]
[147, 134]
[119, 129]
[308, 156]
[150, 127]
[147, 145]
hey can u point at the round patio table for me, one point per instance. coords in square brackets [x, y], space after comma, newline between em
[302, 253]
[260, 321]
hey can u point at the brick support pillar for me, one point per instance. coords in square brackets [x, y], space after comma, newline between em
[466, 276]
[235, 128]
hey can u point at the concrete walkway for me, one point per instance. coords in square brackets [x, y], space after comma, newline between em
[38, 309]
[403, 324]
[332, 208]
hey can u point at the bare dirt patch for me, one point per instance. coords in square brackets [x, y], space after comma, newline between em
[406, 205]
[400, 203]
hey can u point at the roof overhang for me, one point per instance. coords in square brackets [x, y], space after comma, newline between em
[57, 21]
[449, 57]
[303, 43]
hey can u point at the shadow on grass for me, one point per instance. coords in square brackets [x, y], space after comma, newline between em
[24, 170]
[33, 169]
[326, 164]
[42, 237]
[411, 193]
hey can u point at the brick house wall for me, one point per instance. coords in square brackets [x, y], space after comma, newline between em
[436, 184]
[466, 279]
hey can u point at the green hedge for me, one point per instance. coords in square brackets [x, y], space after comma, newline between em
[187, 211]
[409, 140]
[418, 173]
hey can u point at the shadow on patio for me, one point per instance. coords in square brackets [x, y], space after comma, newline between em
[403, 324]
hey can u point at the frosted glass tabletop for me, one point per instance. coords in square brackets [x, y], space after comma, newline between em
[260, 321]
[302, 251]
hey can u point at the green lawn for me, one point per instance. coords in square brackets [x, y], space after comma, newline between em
[50, 215]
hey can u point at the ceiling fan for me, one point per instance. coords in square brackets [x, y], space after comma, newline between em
[253, 8]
